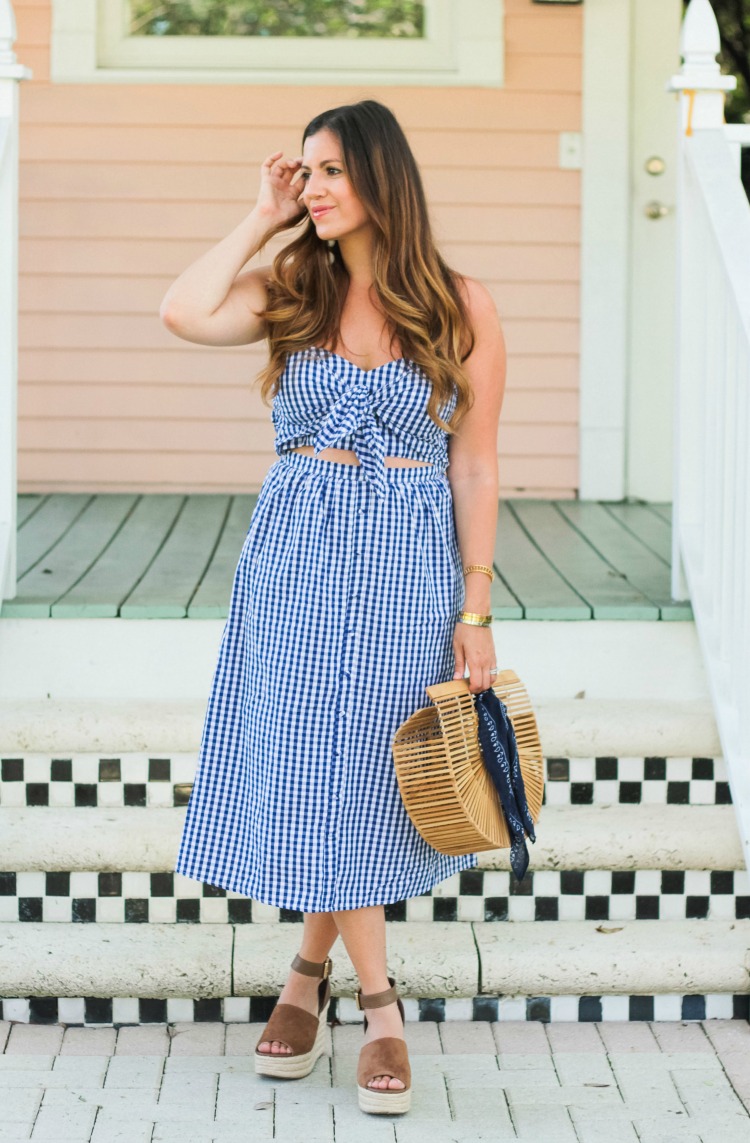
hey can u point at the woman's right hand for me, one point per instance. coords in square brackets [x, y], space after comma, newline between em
[278, 195]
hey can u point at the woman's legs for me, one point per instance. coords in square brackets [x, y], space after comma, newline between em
[318, 934]
[363, 934]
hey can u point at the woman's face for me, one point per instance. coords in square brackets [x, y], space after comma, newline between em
[328, 194]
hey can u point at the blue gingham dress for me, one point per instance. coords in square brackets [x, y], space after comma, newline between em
[342, 611]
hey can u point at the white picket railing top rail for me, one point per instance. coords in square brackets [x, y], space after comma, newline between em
[738, 137]
[738, 133]
[711, 497]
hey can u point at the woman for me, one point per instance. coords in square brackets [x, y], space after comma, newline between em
[384, 367]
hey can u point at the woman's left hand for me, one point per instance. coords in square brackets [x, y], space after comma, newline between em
[475, 647]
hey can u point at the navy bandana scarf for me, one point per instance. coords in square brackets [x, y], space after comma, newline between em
[498, 743]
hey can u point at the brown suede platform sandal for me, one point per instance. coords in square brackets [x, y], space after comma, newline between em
[386, 1056]
[298, 1029]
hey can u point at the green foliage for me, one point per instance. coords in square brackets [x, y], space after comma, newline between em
[342, 18]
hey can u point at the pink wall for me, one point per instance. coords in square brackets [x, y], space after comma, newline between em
[123, 185]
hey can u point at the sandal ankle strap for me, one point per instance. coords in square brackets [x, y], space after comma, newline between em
[313, 968]
[377, 999]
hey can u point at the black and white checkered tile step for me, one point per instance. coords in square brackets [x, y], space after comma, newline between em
[94, 1010]
[632, 781]
[472, 895]
[140, 780]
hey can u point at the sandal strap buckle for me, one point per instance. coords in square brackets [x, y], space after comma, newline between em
[313, 968]
[377, 999]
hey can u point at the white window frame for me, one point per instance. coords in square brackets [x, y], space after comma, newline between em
[463, 46]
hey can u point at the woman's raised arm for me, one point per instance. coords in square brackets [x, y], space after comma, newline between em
[211, 302]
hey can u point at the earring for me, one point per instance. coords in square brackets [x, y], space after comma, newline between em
[330, 243]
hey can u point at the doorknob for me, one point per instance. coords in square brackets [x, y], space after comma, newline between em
[656, 209]
[655, 165]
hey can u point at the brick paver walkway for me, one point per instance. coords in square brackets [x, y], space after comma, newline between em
[473, 1082]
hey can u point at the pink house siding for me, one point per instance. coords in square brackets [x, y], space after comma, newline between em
[123, 185]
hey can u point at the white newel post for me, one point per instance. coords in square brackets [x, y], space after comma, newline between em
[11, 73]
[701, 88]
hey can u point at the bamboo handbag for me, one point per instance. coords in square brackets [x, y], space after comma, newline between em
[445, 775]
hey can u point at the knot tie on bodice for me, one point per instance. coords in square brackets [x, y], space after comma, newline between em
[326, 401]
[353, 414]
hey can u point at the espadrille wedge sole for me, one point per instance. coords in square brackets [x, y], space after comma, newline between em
[301, 1031]
[386, 1056]
[387, 1101]
[294, 1066]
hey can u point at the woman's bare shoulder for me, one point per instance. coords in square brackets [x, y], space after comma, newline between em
[480, 305]
[481, 315]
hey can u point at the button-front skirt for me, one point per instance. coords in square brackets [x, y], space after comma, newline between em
[342, 611]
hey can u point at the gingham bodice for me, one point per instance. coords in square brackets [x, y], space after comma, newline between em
[326, 401]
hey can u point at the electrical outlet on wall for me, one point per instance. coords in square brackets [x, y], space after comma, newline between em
[571, 150]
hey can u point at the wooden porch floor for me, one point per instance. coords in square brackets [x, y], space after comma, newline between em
[132, 556]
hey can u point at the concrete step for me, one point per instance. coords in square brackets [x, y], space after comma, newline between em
[150, 659]
[603, 837]
[428, 959]
[117, 775]
[568, 727]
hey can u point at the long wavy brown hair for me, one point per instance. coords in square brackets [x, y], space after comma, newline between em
[418, 293]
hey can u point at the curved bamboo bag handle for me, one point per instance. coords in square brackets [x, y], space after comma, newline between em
[444, 784]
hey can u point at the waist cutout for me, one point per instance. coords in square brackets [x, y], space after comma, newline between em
[348, 456]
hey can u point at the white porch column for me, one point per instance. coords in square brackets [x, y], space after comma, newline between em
[11, 73]
[605, 182]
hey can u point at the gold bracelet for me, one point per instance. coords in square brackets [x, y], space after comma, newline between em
[474, 620]
[480, 567]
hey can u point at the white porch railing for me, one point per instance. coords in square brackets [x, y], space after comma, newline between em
[738, 137]
[711, 499]
[11, 73]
